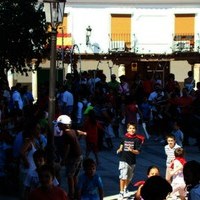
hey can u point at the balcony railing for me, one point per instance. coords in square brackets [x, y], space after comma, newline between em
[120, 42]
[124, 42]
[183, 43]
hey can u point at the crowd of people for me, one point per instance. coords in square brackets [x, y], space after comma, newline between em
[88, 106]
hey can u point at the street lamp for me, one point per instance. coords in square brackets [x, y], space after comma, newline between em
[54, 10]
[88, 34]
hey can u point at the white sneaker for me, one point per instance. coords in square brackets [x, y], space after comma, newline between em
[121, 196]
[126, 193]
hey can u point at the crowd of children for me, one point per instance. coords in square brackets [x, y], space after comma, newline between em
[111, 108]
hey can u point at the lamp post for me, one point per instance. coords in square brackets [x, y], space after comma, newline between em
[62, 50]
[54, 10]
[110, 68]
[88, 34]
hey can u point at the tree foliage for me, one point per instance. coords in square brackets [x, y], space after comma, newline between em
[23, 34]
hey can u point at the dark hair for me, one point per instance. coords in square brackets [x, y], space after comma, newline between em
[191, 172]
[190, 73]
[87, 163]
[152, 167]
[132, 124]
[39, 154]
[170, 136]
[46, 168]
[179, 152]
[171, 76]
[198, 84]
[177, 122]
[122, 78]
[155, 188]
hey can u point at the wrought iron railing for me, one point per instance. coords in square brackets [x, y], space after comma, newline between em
[183, 43]
[125, 42]
[120, 42]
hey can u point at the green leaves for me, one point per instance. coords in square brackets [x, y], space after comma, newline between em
[23, 34]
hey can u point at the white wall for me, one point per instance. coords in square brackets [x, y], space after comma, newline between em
[98, 20]
[152, 26]
[180, 69]
[153, 30]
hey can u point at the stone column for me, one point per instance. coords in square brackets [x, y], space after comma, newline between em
[35, 85]
[10, 77]
[196, 73]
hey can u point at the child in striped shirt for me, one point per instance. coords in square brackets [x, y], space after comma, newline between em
[169, 151]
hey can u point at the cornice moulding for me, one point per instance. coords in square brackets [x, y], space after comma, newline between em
[134, 2]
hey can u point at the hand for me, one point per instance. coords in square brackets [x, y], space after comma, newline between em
[80, 133]
[118, 151]
[130, 148]
[84, 133]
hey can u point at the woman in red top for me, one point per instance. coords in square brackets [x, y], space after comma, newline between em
[91, 126]
[131, 110]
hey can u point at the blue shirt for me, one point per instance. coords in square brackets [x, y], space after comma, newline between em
[194, 193]
[178, 134]
[89, 186]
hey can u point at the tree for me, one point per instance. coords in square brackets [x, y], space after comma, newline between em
[23, 35]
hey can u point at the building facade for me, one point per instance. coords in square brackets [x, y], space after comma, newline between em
[131, 37]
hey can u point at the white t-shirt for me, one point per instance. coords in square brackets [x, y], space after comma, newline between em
[170, 153]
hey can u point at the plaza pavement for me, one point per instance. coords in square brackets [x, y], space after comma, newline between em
[152, 154]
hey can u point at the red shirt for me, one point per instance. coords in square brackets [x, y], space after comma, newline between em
[91, 129]
[148, 86]
[131, 113]
[55, 193]
[185, 104]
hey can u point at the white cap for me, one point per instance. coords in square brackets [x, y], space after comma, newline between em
[64, 119]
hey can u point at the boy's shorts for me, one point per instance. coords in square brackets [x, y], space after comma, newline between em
[73, 166]
[126, 171]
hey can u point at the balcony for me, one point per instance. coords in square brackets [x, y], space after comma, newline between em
[120, 42]
[183, 43]
[130, 44]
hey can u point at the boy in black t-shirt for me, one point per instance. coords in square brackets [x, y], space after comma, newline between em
[129, 148]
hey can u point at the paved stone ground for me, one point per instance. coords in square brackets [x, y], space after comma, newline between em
[152, 154]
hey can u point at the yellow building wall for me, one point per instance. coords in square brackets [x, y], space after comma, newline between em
[63, 27]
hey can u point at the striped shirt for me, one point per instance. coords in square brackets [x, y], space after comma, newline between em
[170, 153]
